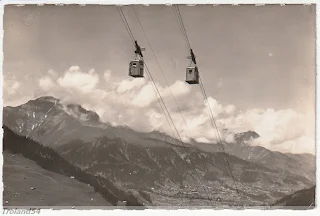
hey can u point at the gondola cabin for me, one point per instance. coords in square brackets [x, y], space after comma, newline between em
[136, 68]
[192, 75]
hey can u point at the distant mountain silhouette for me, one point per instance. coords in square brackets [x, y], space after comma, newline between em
[141, 161]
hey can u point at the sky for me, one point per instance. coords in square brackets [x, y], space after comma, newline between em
[257, 65]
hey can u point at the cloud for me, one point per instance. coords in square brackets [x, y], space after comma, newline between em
[46, 83]
[145, 96]
[53, 73]
[10, 85]
[127, 85]
[282, 130]
[133, 102]
[178, 89]
[75, 79]
[230, 109]
[107, 75]
[13, 92]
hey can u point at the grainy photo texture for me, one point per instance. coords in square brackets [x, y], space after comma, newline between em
[159, 106]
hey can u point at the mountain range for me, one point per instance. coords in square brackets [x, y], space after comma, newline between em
[159, 164]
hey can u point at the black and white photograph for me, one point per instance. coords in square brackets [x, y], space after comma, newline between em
[159, 106]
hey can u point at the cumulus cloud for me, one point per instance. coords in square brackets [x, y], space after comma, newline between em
[13, 92]
[10, 85]
[178, 89]
[75, 79]
[127, 85]
[230, 109]
[282, 130]
[46, 83]
[133, 102]
[107, 75]
[53, 73]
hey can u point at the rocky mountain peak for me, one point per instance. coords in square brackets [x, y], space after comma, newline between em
[242, 138]
[80, 112]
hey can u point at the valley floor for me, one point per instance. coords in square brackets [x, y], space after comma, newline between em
[27, 184]
[222, 194]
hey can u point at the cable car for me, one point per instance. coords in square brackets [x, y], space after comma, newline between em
[192, 75]
[136, 66]
[192, 72]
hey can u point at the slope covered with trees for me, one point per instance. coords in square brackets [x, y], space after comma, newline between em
[48, 159]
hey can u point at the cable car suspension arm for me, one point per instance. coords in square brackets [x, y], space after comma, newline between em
[192, 57]
[138, 50]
